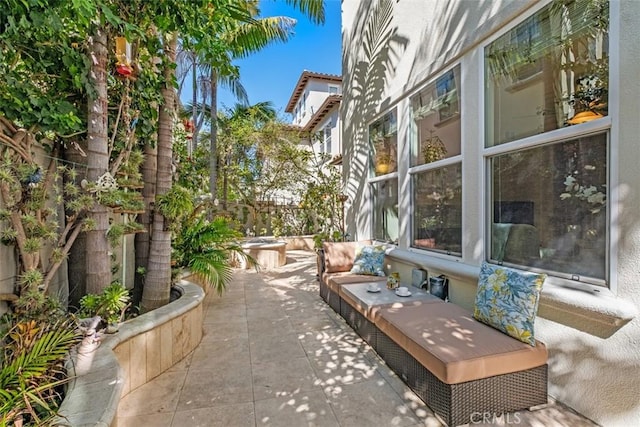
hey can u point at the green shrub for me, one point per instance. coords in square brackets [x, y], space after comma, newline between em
[110, 305]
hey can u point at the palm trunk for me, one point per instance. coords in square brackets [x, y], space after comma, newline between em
[143, 240]
[213, 161]
[157, 287]
[194, 134]
[97, 254]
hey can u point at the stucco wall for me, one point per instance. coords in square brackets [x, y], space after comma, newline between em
[316, 92]
[594, 355]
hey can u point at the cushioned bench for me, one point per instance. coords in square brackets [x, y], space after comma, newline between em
[459, 366]
[456, 364]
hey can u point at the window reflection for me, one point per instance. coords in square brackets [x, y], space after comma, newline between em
[549, 207]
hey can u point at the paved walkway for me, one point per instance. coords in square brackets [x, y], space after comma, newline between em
[274, 354]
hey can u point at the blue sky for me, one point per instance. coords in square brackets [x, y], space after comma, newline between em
[270, 75]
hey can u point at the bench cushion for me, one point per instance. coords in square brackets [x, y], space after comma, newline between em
[339, 256]
[336, 280]
[369, 307]
[455, 347]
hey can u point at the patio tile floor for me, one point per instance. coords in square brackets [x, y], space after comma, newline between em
[274, 354]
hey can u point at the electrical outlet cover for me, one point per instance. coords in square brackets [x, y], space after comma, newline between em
[418, 276]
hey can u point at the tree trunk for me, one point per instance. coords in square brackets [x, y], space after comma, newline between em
[97, 254]
[193, 144]
[143, 240]
[76, 266]
[213, 161]
[157, 287]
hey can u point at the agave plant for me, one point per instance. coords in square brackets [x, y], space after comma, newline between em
[32, 370]
[207, 248]
[110, 305]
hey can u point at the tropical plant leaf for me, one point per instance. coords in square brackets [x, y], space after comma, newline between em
[33, 367]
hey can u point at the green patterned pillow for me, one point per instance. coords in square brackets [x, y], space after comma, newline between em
[369, 260]
[507, 300]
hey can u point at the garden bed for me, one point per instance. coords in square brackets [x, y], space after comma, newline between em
[141, 350]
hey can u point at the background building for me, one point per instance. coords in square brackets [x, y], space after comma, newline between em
[314, 107]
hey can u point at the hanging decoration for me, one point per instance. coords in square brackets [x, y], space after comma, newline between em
[123, 57]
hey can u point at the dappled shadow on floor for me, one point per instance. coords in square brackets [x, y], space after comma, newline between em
[274, 354]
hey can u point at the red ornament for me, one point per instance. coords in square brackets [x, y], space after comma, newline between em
[124, 69]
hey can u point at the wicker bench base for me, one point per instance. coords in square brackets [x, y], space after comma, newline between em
[324, 291]
[465, 402]
[363, 326]
[455, 404]
[333, 299]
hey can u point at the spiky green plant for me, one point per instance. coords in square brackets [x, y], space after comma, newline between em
[176, 203]
[115, 233]
[109, 305]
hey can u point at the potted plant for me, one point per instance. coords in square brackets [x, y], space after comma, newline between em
[588, 99]
[382, 163]
[428, 225]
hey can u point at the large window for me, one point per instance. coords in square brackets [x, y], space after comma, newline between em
[549, 208]
[383, 139]
[548, 205]
[549, 72]
[436, 171]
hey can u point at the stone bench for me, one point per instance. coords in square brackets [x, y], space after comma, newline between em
[267, 253]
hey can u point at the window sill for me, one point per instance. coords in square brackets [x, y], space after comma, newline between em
[599, 314]
[596, 313]
[448, 120]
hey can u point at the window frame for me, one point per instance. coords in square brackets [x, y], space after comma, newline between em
[375, 179]
[607, 125]
[327, 130]
[412, 171]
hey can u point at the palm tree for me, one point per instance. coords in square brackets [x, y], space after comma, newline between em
[157, 286]
[98, 271]
[242, 35]
[244, 38]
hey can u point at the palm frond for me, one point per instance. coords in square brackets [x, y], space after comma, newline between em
[32, 368]
[235, 87]
[207, 248]
[313, 9]
[246, 39]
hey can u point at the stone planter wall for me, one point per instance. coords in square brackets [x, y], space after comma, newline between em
[141, 350]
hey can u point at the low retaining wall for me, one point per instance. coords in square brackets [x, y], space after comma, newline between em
[300, 243]
[141, 350]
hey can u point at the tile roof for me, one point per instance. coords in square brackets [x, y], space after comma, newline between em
[323, 110]
[302, 82]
